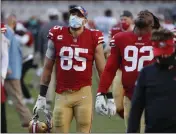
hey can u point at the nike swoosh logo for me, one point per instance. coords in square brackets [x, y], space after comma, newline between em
[84, 97]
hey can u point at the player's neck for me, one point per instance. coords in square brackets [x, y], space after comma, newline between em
[130, 28]
[142, 31]
[75, 32]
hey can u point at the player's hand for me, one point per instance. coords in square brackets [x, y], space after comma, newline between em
[100, 104]
[111, 107]
[40, 104]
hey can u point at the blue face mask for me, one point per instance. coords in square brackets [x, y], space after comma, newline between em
[75, 21]
[33, 22]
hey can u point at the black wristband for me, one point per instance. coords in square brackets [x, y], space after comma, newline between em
[43, 90]
[109, 95]
[98, 94]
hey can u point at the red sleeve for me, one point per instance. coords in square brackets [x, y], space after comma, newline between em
[52, 32]
[98, 37]
[114, 31]
[113, 63]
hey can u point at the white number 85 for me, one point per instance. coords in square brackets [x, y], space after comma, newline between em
[73, 53]
[137, 63]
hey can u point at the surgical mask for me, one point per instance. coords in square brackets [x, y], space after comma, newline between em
[75, 21]
[33, 22]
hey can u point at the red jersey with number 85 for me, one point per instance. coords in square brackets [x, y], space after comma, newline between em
[74, 57]
[132, 53]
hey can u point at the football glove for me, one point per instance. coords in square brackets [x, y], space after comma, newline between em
[100, 104]
[111, 104]
[111, 107]
[40, 104]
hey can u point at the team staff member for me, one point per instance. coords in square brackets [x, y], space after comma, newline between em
[156, 89]
[12, 81]
[74, 49]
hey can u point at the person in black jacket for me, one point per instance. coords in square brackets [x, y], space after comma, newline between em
[156, 88]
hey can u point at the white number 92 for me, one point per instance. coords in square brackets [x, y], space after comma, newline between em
[137, 63]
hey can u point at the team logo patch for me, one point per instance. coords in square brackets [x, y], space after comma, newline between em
[138, 43]
[60, 37]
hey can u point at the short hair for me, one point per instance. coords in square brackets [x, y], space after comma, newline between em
[161, 35]
[108, 12]
[126, 13]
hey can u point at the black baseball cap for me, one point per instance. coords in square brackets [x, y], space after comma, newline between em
[126, 13]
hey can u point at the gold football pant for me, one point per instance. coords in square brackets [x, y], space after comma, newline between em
[76, 104]
[118, 92]
[127, 107]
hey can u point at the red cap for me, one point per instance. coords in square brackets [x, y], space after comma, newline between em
[163, 47]
[3, 28]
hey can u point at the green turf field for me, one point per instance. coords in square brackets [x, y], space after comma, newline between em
[100, 123]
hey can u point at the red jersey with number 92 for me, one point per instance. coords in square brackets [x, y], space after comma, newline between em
[74, 57]
[136, 52]
[130, 53]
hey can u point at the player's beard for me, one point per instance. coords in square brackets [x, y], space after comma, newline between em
[140, 23]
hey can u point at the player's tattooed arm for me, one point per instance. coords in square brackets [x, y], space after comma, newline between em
[99, 59]
[47, 69]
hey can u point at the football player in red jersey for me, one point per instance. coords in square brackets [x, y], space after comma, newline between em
[125, 24]
[74, 49]
[130, 51]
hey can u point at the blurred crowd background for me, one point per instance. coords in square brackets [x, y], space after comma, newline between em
[31, 20]
[33, 16]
